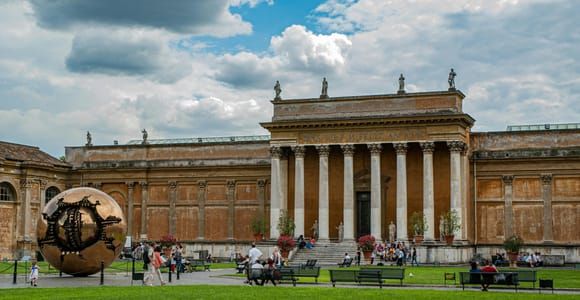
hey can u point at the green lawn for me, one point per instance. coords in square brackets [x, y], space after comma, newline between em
[256, 292]
[563, 278]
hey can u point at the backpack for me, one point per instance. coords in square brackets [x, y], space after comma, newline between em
[146, 259]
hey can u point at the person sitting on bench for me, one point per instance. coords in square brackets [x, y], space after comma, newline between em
[488, 275]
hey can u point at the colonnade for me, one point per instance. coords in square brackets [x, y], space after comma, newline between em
[279, 184]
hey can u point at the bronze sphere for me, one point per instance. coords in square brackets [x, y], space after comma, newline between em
[80, 228]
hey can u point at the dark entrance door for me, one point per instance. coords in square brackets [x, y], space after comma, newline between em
[363, 205]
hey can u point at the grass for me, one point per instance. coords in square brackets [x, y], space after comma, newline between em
[248, 292]
[563, 278]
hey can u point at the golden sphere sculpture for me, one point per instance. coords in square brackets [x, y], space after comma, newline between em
[80, 228]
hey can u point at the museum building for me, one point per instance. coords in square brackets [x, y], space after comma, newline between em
[356, 163]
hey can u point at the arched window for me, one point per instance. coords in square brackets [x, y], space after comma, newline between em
[50, 193]
[7, 192]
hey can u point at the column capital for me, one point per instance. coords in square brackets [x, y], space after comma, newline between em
[323, 150]
[26, 183]
[507, 179]
[231, 184]
[455, 146]
[202, 184]
[97, 185]
[299, 151]
[427, 147]
[144, 184]
[347, 149]
[261, 183]
[172, 184]
[276, 152]
[546, 178]
[130, 184]
[43, 183]
[375, 148]
[401, 148]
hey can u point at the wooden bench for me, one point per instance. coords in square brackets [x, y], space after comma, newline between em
[525, 276]
[345, 264]
[369, 275]
[300, 271]
[287, 274]
[343, 276]
[389, 273]
[192, 265]
[503, 278]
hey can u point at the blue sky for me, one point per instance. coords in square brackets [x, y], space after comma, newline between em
[207, 68]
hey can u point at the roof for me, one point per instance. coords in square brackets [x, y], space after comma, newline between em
[27, 154]
[203, 140]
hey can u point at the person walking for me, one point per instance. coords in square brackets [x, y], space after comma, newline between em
[34, 274]
[157, 263]
[414, 257]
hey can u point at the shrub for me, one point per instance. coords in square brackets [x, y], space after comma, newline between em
[366, 242]
[419, 223]
[286, 224]
[167, 241]
[450, 222]
[513, 244]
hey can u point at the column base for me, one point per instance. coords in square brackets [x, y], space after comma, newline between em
[548, 242]
[143, 237]
[460, 242]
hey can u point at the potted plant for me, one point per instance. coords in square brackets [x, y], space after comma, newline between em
[258, 228]
[450, 225]
[286, 224]
[366, 244]
[512, 246]
[286, 243]
[419, 225]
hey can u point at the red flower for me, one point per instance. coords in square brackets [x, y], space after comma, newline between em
[366, 242]
[286, 243]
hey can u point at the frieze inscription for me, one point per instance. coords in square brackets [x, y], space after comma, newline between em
[353, 136]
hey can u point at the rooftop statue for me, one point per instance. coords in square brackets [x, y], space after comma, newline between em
[89, 139]
[401, 84]
[324, 93]
[278, 90]
[145, 135]
[451, 80]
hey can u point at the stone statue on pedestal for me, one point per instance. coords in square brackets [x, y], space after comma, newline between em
[451, 80]
[145, 135]
[89, 139]
[401, 84]
[315, 230]
[324, 93]
[278, 90]
[340, 229]
[392, 231]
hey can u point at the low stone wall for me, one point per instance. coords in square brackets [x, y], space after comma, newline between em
[570, 254]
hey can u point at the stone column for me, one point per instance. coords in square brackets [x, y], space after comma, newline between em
[261, 188]
[275, 191]
[348, 207]
[375, 190]
[201, 189]
[323, 213]
[144, 200]
[428, 192]
[464, 191]
[547, 197]
[231, 198]
[455, 148]
[26, 212]
[42, 184]
[130, 187]
[401, 149]
[283, 180]
[172, 212]
[299, 189]
[508, 209]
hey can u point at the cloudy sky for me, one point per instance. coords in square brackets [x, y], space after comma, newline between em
[207, 68]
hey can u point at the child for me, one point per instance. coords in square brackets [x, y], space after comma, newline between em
[33, 274]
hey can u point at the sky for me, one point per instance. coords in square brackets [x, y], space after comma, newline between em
[185, 68]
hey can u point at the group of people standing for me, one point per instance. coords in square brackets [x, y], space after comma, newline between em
[392, 252]
[261, 271]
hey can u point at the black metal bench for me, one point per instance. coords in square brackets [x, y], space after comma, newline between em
[388, 273]
[240, 267]
[309, 263]
[301, 271]
[502, 278]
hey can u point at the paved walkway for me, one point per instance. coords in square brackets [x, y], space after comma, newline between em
[213, 277]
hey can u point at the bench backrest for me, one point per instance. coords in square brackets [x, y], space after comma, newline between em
[523, 275]
[468, 277]
[343, 275]
[311, 263]
[372, 273]
[386, 272]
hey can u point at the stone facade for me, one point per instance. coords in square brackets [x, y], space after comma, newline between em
[364, 161]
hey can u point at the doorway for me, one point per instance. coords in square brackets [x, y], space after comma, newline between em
[363, 215]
